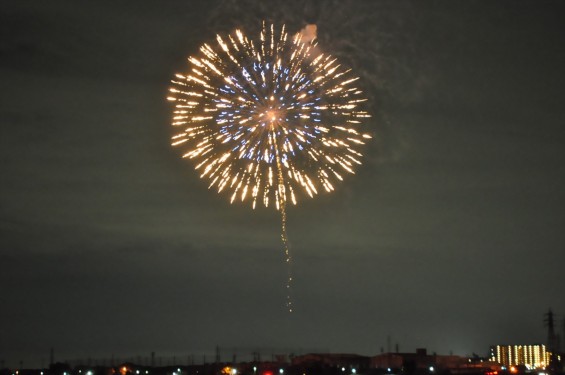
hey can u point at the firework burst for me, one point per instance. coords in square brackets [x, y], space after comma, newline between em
[265, 120]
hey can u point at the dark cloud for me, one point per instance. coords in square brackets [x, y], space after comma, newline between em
[449, 237]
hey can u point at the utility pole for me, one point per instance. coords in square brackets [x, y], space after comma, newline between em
[551, 339]
[563, 337]
[548, 322]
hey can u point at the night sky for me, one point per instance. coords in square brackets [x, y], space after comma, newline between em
[450, 236]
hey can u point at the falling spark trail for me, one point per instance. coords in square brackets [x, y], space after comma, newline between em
[284, 236]
[284, 239]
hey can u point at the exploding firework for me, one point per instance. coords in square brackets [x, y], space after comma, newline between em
[269, 120]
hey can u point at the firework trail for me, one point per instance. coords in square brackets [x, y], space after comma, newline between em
[269, 120]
